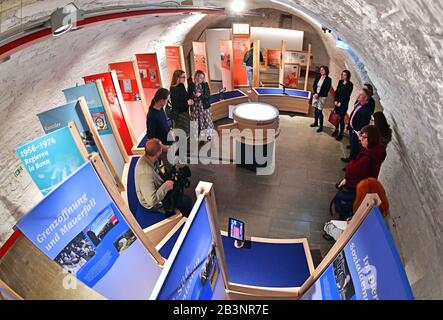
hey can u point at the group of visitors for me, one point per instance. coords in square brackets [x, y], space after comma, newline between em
[187, 103]
[369, 135]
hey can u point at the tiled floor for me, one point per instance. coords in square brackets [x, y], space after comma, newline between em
[294, 201]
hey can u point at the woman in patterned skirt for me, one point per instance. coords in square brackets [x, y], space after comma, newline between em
[202, 127]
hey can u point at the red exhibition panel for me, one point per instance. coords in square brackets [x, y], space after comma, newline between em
[127, 80]
[226, 63]
[274, 57]
[117, 115]
[240, 46]
[148, 68]
[147, 64]
[173, 60]
[200, 57]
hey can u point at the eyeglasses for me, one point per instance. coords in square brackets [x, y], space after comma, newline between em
[182, 77]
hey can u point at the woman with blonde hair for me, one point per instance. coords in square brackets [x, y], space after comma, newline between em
[200, 113]
[180, 101]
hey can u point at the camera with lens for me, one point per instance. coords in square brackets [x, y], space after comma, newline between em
[180, 176]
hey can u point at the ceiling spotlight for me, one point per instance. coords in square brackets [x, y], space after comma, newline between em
[325, 30]
[238, 6]
[64, 19]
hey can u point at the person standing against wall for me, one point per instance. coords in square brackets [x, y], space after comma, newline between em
[200, 113]
[360, 117]
[320, 90]
[180, 101]
[341, 103]
[248, 63]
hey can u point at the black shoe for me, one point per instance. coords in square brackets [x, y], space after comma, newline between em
[348, 147]
[320, 129]
[344, 169]
[314, 125]
[345, 160]
[334, 133]
[339, 137]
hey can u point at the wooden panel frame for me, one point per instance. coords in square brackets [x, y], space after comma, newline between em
[13, 295]
[170, 234]
[123, 107]
[256, 64]
[367, 204]
[307, 67]
[108, 112]
[98, 142]
[254, 292]
[78, 140]
[283, 102]
[207, 189]
[124, 209]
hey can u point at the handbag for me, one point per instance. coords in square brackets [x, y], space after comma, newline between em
[342, 203]
[334, 118]
[171, 113]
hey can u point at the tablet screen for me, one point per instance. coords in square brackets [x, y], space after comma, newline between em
[236, 229]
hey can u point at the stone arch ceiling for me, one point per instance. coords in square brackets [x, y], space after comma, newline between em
[398, 46]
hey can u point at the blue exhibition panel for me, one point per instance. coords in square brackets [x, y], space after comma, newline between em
[166, 250]
[143, 142]
[368, 267]
[279, 265]
[144, 217]
[290, 92]
[192, 271]
[226, 95]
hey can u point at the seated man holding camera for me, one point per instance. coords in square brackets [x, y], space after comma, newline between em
[152, 190]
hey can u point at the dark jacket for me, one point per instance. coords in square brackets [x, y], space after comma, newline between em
[248, 59]
[371, 104]
[179, 98]
[325, 87]
[343, 93]
[205, 96]
[158, 126]
[366, 165]
[361, 118]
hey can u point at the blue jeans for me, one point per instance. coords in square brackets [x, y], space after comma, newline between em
[249, 71]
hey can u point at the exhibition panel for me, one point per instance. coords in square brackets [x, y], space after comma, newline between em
[147, 72]
[110, 96]
[134, 104]
[79, 226]
[192, 271]
[291, 100]
[363, 264]
[50, 159]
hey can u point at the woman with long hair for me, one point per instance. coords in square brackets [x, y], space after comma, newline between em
[200, 113]
[341, 102]
[157, 123]
[383, 127]
[180, 101]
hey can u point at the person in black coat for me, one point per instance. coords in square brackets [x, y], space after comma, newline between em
[320, 90]
[341, 102]
[360, 117]
[180, 101]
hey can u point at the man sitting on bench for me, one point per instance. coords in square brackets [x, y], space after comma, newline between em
[150, 187]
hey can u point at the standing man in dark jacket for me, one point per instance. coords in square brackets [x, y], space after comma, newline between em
[342, 97]
[248, 63]
[360, 117]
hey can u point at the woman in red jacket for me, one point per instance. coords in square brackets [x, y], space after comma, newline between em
[368, 161]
